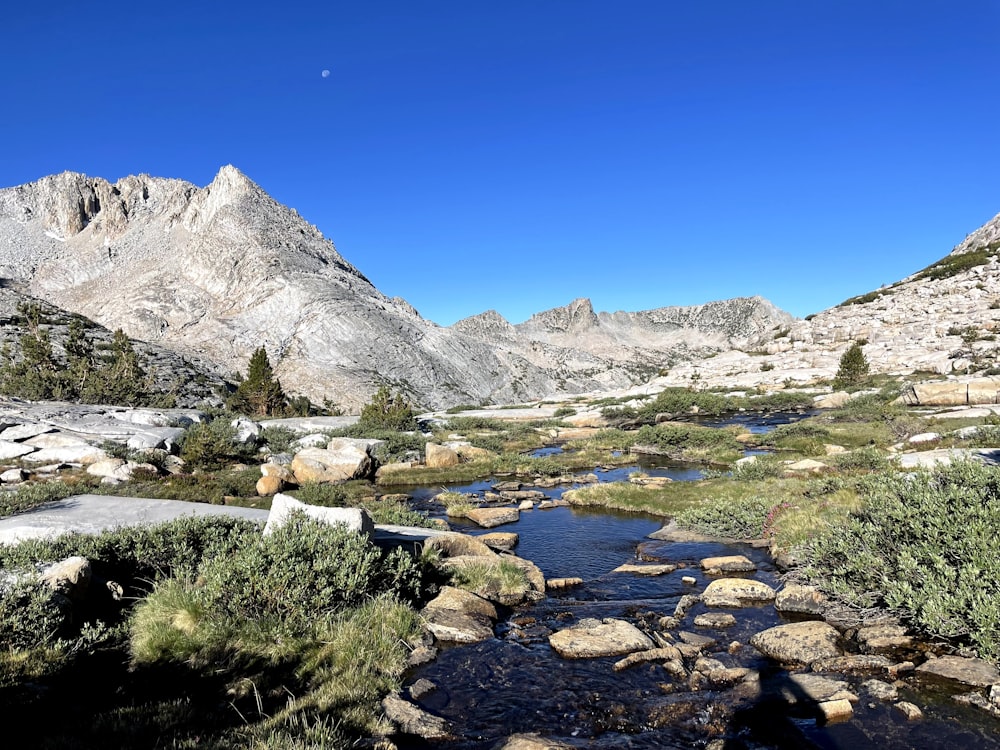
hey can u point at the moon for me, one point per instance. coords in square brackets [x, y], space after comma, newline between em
[325, 74]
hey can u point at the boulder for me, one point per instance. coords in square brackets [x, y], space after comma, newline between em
[591, 638]
[715, 620]
[816, 688]
[13, 476]
[24, 431]
[505, 541]
[55, 440]
[563, 583]
[69, 577]
[666, 653]
[734, 592]
[410, 719]
[10, 450]
[440, 456]
[459, 600]
[968, 671]
[269, 485]
[533, 742]
[803, 600]
[459, 616]
[798, 642]
[282, 507]
[491, 517]
[454, 544]
[247, 430]
[806, 464]
[110, 467]
[348, 459]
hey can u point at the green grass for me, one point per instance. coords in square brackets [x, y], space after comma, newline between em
[490, 578]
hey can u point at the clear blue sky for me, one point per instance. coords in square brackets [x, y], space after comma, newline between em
[515, 155]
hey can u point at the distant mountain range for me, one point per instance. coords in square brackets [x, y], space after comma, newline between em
[212, 273]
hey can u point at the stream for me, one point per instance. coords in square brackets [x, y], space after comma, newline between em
[515, 682]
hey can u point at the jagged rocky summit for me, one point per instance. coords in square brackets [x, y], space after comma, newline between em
[212, 273]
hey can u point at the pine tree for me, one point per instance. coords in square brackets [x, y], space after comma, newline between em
[260, 394]
[853, 369]
[388, 412]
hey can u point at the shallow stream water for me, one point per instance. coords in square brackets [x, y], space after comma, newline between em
[515, 682]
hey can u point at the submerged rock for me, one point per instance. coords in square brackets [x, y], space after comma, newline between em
[974, 672]
[728, 564]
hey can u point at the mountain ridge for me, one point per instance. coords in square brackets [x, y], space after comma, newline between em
[216, 272]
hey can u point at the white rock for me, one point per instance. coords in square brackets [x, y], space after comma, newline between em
[282, 506]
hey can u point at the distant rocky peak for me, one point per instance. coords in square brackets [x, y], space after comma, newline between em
[230, 187]
[487, 324]
[577, 316]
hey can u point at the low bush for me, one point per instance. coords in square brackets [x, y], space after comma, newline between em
[762, 467]
[742, 518]
[862, 459]
[923, 545]
[212, 444]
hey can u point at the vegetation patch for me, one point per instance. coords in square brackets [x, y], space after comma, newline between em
[924, 546]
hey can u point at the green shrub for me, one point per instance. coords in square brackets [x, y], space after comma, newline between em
[30, 616]
[212, 444]
[564, 411]
[139, 555]
[923, 545]
[862, 459]
[763, 467]
[302, 572]
[737, 519]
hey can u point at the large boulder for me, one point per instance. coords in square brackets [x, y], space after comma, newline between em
[491, 517]
[459, 616]
[453, 544]
[341, 460]
[440, 456]
[594, 638]
[798, 642]
[283, 506]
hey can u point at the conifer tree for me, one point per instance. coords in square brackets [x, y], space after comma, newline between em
[853, 369]
[260, 394]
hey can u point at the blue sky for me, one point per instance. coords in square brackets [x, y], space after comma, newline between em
[468, 155]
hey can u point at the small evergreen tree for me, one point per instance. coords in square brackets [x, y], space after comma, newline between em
[260, 394]
[853, 369]
[119, 379]
[388, 412]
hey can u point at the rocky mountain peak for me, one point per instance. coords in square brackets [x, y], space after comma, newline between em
[577, 316]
